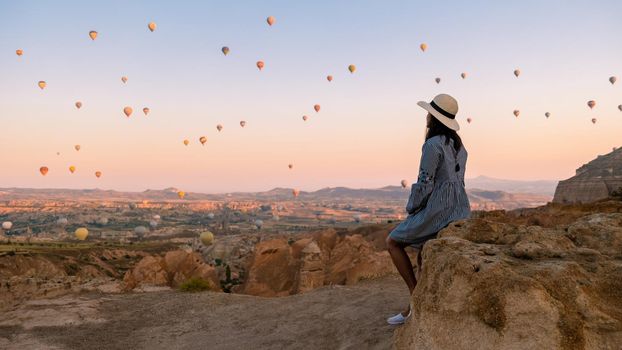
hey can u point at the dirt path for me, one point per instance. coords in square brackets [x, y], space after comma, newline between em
[337, 317]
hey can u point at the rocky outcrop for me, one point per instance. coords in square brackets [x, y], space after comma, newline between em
[492, 285]
[173, 269]
[279, 268]
[595, 180]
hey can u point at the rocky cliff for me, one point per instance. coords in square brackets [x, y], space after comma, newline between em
[595, 180]
[496, 285]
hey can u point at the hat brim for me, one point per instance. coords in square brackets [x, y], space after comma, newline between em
[450, 123]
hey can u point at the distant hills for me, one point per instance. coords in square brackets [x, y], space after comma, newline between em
[544, 187]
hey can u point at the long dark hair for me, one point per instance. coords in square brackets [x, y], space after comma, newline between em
[437, 128]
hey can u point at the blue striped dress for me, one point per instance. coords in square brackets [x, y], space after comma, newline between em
[438, 197]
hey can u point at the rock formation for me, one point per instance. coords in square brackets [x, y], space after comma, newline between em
[493, 285]
[595, 180]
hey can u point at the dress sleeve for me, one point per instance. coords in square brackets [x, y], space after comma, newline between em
[430, 159]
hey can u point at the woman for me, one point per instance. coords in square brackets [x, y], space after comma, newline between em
[438, 197]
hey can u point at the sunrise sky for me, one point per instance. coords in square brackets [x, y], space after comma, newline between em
[369, 131]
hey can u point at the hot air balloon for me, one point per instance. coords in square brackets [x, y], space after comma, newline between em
[613, 80]
[181, 194]
[352, 68]
[42, 84]
[151, 26]
[242, 123]
[210, 216]
[102, 221]
[206, 237]
[133, 206]
[547, 114]
[186, 142]
[620, 108]
[219, 127]
[295, 192]
[259, 224]
[153, 224]
[404, 183]
[203, 140]
[594, 120]
[291, 166]
[317, 108]
[93, 34]
[225, 50]
[140, 231]
[156, 217]
[81, 233]
[43, 170]
[260, 65]
[304, 117]
[78, 105]
[124, 79]
[19, 52]
[517, 72]
[423, 47]
[591, 104]
[128, 111]
[7, 225]
[329, 78]
[469, 120]
[62, 221]
[516, 112]
[146, 110]
[463, 75]
[437, 80]
[72, 169]
[270, 20]
[77, 147]
[98, 174]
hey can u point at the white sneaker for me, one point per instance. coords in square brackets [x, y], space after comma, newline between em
[399, 318]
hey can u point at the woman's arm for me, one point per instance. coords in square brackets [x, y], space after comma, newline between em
[431, 154]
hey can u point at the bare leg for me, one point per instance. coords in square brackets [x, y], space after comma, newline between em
[404, 266]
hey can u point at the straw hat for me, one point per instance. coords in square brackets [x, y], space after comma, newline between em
[444, 108]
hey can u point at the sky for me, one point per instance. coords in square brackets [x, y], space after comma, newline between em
[369, 131]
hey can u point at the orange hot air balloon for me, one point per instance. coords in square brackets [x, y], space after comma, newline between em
[93, 34]
[203, 140]
[225, 50]
[469, 120]
[242, 123]
[295, 192]
[181, 194]
[463, 75]
[43, 170]
[438, 80]
[19, 52]
[516, 113]
[260, 65]
[151, 26]
[291, 166]
[594, 120]
[270, 20]
[128, 111]
[72, 169]
[547, 114]
[77, 147]
[352, 68]
[98, 174]
[124, 79]
[317, 108]
[78, 105]
[591, 104]
[329, 78]
[517, 72]
[146, 110]
[219, 127]
[42, 84]
[186, 142]
[404, 183]
[423, 47]
[304, 117]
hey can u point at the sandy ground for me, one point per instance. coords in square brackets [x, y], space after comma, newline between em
[332, 317]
